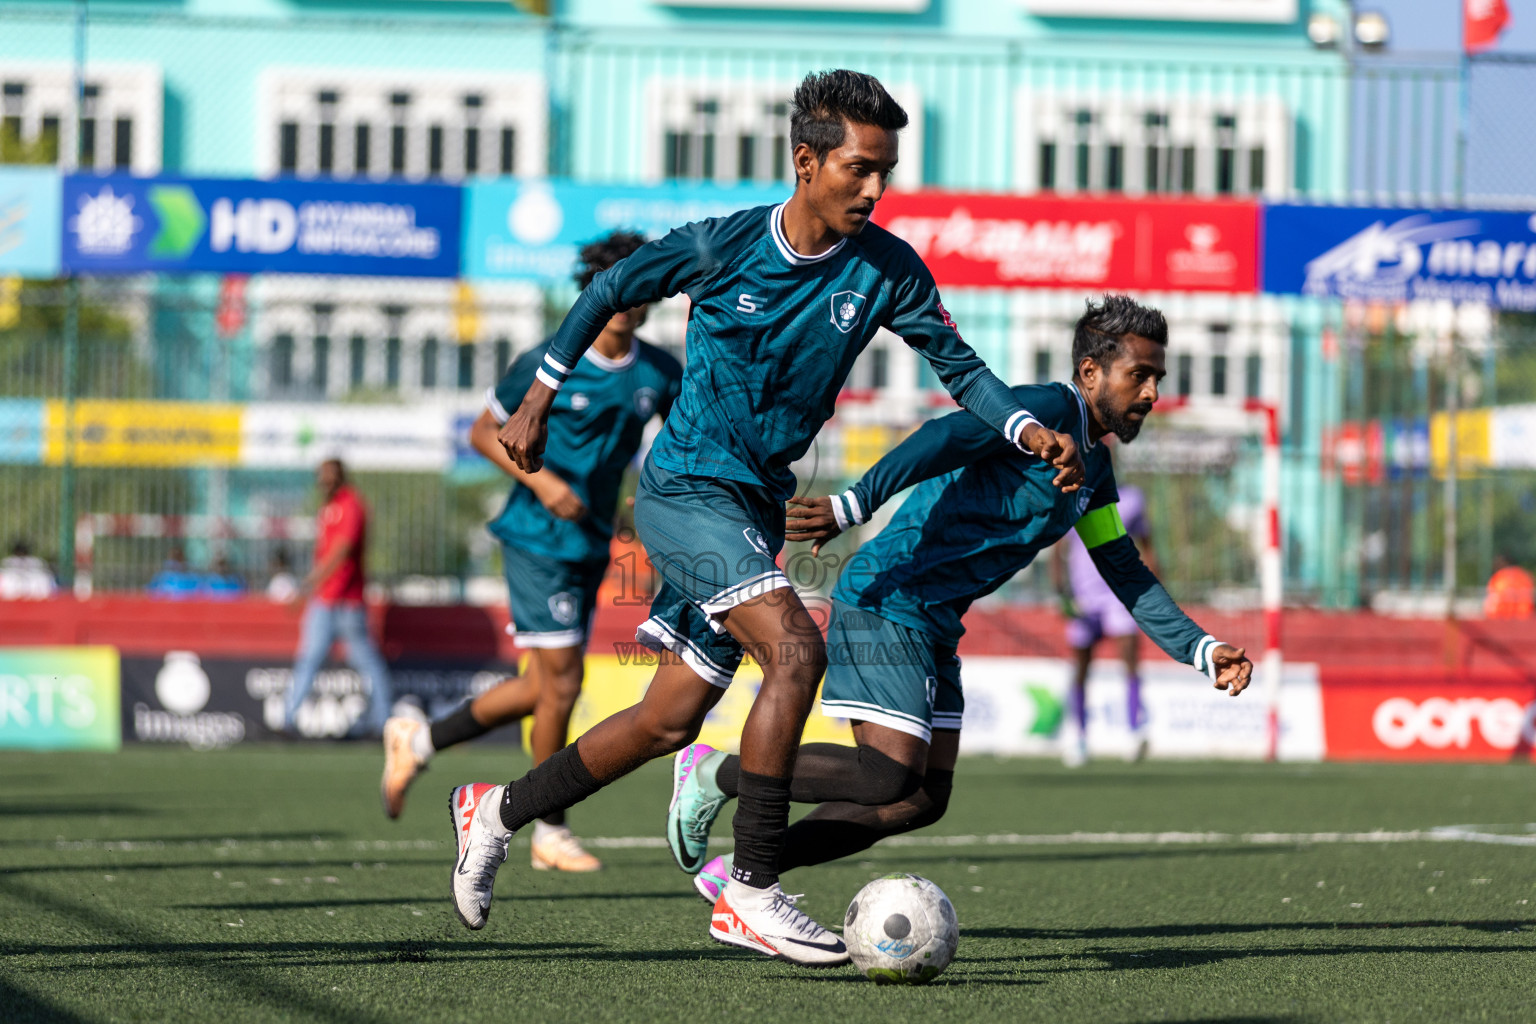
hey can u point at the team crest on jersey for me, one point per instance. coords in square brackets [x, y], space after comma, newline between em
[580, 401]
[846, 309]
[756, 540]
[563, 607]
[645, 402]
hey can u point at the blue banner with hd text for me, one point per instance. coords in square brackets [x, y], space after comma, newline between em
[123, 225]
[1396, 255]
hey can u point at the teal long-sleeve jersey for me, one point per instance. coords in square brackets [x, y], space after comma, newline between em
[981, 512]
[771, 337]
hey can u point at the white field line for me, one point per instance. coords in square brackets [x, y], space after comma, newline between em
[1441, 834]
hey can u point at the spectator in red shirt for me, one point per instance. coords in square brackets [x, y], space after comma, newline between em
[334, 588]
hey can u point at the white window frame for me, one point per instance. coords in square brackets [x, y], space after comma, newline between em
[132, 90]
[292, 94]
[1050, 116]
[745, 107]
[285, 304]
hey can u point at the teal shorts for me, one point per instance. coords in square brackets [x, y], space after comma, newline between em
[715, 544]
[882, 672]
[552, 600]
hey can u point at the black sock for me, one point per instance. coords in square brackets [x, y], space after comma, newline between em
[551, 787]
[555, 818]
[458, 726]
[836, 830]
[762, 816]
[835, 771]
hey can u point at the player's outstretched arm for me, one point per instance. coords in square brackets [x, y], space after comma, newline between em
[925, 325]
[937, 447]
[1158, 615]
[655, 271]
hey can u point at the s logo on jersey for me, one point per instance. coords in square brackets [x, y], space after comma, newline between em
[846, 309]
[645, 402]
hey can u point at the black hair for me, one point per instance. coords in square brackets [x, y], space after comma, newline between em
[1103, 326]
[597, 256]
[20, 548]
[826, 101]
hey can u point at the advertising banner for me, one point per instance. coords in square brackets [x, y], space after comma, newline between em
[531, 230]
[22, 425]
[30, 199]
[110, 433]
[59, 698]
[381, 437]
[1016, 706]
[994, 241]
[1394, 255]
[210, 703]
[122, 225]
[1423, 718]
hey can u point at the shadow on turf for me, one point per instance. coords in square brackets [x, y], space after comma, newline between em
[365, 857]
[1177, 931]
[215, 839]
[23, 1008]
[435, 898]
[1039, 855]
[64, 809]
[341, 954]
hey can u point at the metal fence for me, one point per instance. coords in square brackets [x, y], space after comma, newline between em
[1064, 115]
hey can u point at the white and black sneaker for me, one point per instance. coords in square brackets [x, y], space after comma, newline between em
[767, 921]
[482, 841]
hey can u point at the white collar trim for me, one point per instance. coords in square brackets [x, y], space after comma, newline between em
[1082, 407]
[776, 229]
[624, 362]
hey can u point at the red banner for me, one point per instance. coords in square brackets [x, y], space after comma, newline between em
[998, 241]
[1427, 716]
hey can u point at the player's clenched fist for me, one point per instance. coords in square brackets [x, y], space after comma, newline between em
[526, 432]
[1233, 669]
[1057, 449]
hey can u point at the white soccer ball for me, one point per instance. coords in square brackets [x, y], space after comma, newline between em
[901, 930]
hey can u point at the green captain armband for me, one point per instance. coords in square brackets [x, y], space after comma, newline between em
[1100, 526]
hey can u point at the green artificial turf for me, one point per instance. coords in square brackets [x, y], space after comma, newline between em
[264, 884]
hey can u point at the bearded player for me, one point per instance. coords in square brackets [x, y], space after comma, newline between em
[983, 512]
[784, 298]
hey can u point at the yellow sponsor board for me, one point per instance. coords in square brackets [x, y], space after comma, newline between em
[145, 433]
[1474, 447]
[613, 684]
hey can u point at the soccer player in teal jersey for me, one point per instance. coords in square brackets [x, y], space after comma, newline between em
[784, 299]
[555, 532]
[982, 512]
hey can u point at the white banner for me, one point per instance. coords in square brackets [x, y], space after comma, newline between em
[1017, 706]
[366, 437]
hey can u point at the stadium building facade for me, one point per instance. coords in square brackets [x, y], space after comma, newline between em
[1206, 99]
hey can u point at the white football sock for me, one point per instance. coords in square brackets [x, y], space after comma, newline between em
[543, 831]
[421, 744]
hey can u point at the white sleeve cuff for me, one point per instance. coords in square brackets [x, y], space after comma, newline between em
[847, 510]
[1014, 428]
[498, 411]
[550, 382]
[1202, 659]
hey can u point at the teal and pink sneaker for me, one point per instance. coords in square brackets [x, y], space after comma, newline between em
[711, 879]
[696, 801]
